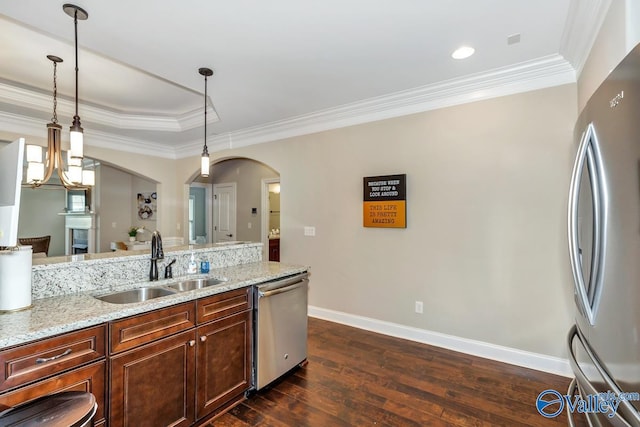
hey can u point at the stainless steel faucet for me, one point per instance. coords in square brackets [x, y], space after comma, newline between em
[156, 253]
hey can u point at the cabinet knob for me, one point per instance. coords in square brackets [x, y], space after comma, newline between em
[203, 338]
[192, 343]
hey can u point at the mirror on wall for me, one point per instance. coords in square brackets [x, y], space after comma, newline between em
[91, 221]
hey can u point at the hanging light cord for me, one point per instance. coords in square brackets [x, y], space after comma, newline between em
[54, 119]
[75, 25]
[205, 150]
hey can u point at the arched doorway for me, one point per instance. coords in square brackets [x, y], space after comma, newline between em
[239, 182]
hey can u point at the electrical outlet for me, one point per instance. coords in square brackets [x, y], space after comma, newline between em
[419, 307]
[114, 225]
[309, 231]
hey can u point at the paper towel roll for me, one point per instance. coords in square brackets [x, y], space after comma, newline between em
[15, 278]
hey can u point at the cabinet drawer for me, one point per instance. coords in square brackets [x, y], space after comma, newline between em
[224, 304]
[38, 360]
[90, 378]
[144, 328]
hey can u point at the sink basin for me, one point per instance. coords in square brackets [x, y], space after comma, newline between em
[189, 285]
[135, 295]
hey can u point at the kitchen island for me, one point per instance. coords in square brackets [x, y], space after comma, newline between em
[63, 313]
[178, 359]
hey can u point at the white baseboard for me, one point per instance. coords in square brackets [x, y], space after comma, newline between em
[540, 362]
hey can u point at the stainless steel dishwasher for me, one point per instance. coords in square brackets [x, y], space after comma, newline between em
[280, 327]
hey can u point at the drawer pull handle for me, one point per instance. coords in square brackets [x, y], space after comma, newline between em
[49, 359]
[203, 338]
[192, 343]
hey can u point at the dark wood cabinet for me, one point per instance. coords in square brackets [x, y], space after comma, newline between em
[181, 364]
[274, 250]
[152, 385]
[69, 362]
[223, 361]
[144, 328]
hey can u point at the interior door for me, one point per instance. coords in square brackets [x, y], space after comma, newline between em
[224, 212]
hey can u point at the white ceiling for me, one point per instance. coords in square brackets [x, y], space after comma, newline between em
[282, 67]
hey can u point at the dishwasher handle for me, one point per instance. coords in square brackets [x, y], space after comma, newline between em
[276, 291]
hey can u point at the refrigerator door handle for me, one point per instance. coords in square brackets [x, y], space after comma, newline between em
[582, 378]
[588, 155]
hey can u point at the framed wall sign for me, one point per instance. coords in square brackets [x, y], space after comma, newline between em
[385, 201]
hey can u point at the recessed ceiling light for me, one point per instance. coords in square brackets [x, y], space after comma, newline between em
[463, 52]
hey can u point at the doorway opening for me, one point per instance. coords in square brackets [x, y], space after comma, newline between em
[241, 215]
[271, 219]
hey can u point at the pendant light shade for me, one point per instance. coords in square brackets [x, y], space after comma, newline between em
[204, 159]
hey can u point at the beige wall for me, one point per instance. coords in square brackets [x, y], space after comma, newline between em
[248, 176]
[485, 247]
[39, 210]
[114, 205]
[159, 170]
[117, 206]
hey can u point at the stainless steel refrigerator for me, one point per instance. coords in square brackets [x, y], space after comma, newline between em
[604, 248]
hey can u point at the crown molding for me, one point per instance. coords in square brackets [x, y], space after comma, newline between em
[584, 19]
[544, 72]
[23, 125]
[40, 102]
[548, 71]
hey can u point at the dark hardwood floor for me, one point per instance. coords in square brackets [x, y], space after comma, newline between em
[358, 378]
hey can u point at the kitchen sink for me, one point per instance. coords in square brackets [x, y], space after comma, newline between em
[191, 284]
[136, 295]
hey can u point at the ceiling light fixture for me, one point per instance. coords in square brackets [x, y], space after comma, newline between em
[463, 52]
[73, 178]
[76, 136]
[204, 160]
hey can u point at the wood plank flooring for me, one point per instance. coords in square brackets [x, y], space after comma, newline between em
[360, 378]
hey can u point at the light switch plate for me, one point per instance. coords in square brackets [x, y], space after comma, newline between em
[309, 231]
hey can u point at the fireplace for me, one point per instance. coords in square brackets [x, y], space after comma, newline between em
[80, 236]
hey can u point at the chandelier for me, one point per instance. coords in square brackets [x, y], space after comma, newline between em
[39, 172]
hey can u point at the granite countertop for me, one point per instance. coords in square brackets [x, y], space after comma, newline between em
[55, 315]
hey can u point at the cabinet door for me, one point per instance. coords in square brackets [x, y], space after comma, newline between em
[224, 361]
[153, 385]
[90, 378]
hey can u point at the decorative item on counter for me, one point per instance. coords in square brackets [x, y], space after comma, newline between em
[193, 265]
[133, 232]
[204, 267]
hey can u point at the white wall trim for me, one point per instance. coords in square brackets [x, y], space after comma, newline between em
[27, 126]
[583, 24]
[38, 101]
[509, 355]
[543, 72]
[536, 74]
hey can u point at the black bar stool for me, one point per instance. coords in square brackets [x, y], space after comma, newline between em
[68, 409]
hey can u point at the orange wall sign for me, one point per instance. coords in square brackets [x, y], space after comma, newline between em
[385, 199]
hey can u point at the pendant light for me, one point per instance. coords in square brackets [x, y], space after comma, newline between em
[76, 135]
[204, 160]
[39, 172]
